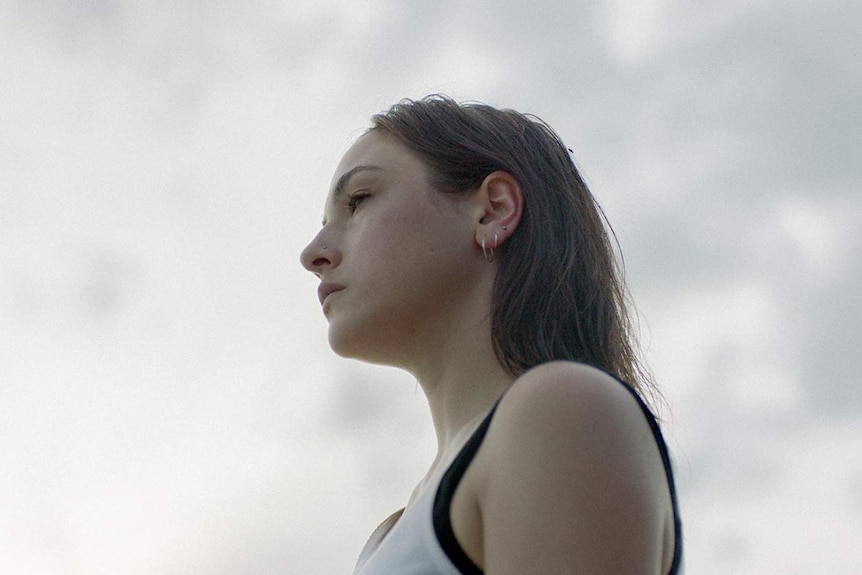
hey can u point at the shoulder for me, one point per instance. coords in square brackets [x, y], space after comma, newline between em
[569, 400]
[573, 470]
[567, 381]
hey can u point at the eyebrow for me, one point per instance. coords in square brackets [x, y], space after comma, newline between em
[342, 182]
[344, 179]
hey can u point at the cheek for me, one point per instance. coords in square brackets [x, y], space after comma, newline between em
[411, 238]
[395, 236]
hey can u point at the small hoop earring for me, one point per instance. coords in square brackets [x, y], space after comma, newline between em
[489, 256]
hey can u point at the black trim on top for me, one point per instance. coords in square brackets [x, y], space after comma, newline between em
[446, 492]
[668, 470]
[449, 483]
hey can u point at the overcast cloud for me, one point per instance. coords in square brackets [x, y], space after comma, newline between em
[168, 402]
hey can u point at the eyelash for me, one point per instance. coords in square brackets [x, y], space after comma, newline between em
[355, 199]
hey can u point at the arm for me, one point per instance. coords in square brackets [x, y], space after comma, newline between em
[575, 481]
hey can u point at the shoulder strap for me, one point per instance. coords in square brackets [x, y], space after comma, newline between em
[665, 457]
[452, 477]
[445, 493]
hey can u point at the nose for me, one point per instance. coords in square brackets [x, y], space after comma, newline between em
[319, 255]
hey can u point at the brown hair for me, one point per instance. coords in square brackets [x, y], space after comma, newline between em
[559, 293]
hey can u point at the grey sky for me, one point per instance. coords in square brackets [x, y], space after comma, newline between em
[168, 403]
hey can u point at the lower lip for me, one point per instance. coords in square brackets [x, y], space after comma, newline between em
[326, 299]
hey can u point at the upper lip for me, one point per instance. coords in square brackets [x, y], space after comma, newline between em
[326, 288]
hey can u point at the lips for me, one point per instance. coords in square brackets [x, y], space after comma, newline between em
[325, 289]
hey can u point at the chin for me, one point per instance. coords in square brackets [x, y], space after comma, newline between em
[365, 344]
[347, 341]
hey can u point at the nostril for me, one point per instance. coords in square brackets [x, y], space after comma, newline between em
[320, 262]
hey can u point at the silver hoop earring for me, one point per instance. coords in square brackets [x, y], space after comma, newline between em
[489, 257]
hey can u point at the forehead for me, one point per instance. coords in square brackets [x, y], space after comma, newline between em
[380, 151]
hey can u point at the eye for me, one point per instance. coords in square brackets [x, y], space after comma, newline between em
[356, 198]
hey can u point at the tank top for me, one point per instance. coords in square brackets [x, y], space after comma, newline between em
[419, 540]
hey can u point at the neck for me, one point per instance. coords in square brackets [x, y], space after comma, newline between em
[462, 379]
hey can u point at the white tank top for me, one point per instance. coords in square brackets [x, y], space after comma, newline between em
[420, 540]
[410, 547]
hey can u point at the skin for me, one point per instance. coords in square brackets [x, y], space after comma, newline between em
[569, 478]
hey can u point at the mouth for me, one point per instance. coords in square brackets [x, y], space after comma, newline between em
[326, 289]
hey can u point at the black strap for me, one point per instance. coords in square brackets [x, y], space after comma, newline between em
[668, 470]
[446, 492]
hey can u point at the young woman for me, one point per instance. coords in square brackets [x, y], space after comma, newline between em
[460, 243]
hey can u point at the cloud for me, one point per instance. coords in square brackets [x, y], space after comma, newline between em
[163, 362]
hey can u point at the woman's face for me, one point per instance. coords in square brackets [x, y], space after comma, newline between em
[400, 254]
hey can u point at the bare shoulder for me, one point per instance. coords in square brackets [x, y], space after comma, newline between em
[578, 416]
[574, 399]
[570, 382]
[575, 480]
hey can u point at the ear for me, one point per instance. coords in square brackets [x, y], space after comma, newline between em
[502, 202]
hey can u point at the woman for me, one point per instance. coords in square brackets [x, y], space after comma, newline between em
[460, 243]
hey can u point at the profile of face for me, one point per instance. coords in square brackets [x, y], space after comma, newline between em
[397, 258]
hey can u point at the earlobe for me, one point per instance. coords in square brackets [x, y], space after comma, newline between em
[503, 204]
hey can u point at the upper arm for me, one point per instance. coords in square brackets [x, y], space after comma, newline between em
[575, 482]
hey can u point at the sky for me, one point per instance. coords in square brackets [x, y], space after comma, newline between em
[168, 400]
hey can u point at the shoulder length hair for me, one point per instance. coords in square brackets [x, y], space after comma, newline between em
[559, 293]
